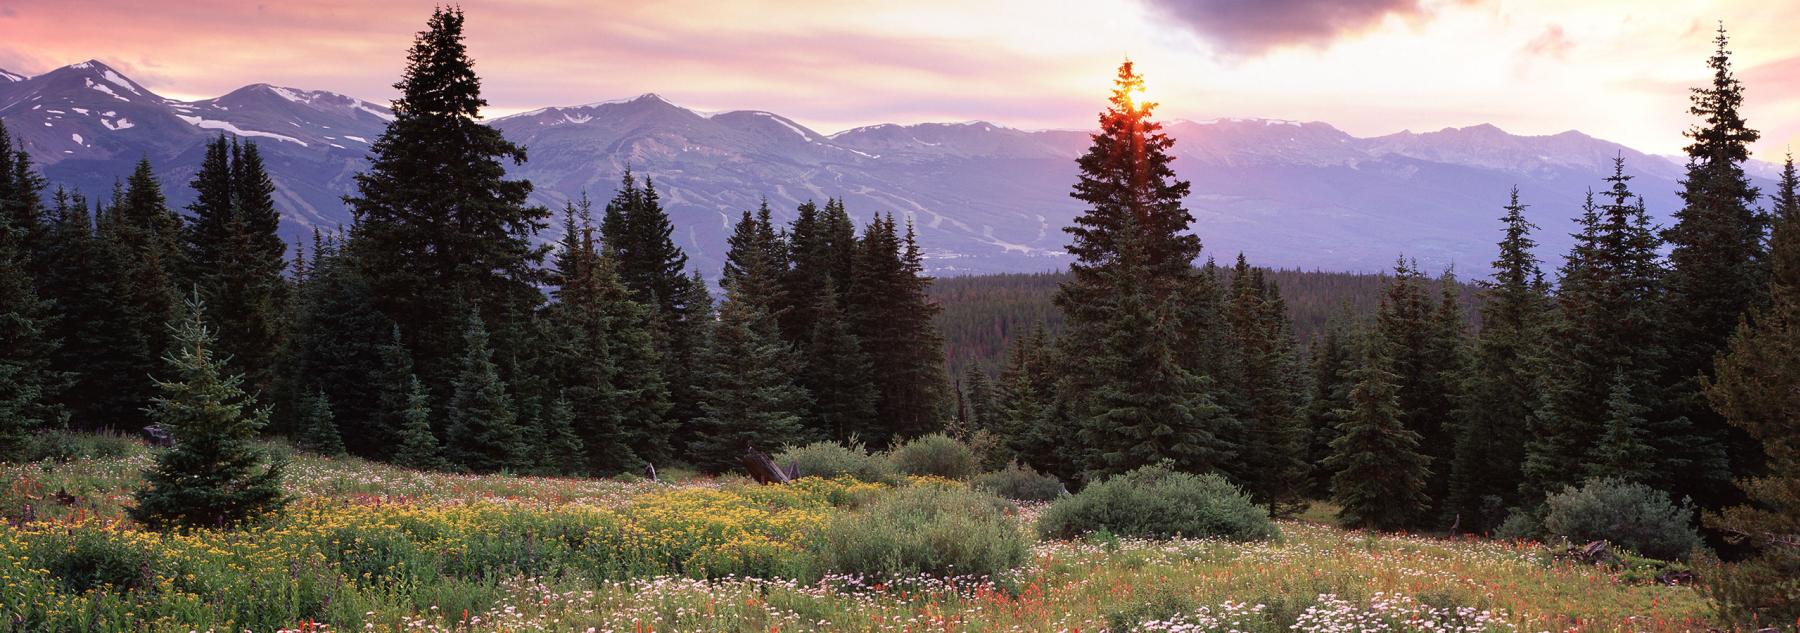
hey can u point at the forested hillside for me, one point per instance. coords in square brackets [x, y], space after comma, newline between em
[982, 313]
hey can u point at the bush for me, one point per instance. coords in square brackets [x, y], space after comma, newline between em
[830, 460]
[1158, 502]
[62, 446]
[1630, 515]
[936, 454]
[933, 530]
[1020, 483]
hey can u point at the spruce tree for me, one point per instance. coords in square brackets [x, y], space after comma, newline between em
[441, 230]
[1379, 473]
[978, 394]
[1264, 393]
[562, 450]
[1145, 409]
[415, 446]
[1131, 194]
[78, 292]
[892, 317]
[483, 433]
[1623, 451]
[1609, 319]
[318, 427]
[136, 261]
[1023, 401]
[1445, 385]
[1754, 390]
[1332, 360]
[637, 230]
[1502, 389]
[29, 383]
[1717, 261]
[22, 206]
[750, 399]
[337, 346]
[683, 365]
[235, 258]
[836, 374]
[215, 475]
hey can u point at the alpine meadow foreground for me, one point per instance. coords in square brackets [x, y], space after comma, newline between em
[367, 546]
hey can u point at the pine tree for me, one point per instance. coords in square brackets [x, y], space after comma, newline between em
[235, 258]
[1754, 391]
[562, 450]
[1445, 385]
[1333, 359]
[1264, 393]
[752, 268]
[483, 433]
[836, 374]
[337, 346]
[1609, 319]
[28, 382]
[215, 475]
[318, 427]
[1490, 443]
[1717, 262]
[980, 399]
[1623, 451]
[892, 317]
[750, 398]
[1145, 408]
[1023, 401]
[1380, 475]
[76, 289]
[415, 446]
[137, 257]
[441, 230]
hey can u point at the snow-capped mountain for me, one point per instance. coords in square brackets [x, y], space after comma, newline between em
[985, 197]
[87, 125]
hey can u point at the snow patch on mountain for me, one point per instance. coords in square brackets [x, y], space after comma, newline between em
[115, 125]
[104, 89]
[222, 125]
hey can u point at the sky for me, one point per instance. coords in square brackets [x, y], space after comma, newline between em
[1616, 69]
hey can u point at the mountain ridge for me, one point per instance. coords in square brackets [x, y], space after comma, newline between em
[986, 197]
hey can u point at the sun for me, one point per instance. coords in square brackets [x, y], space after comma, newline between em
[1139, 96]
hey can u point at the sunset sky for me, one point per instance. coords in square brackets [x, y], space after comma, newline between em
[1617, 69]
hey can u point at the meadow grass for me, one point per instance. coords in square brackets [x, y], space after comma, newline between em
[372, 547]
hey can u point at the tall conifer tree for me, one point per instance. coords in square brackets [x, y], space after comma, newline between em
[446, 232]
[1763, 357]
[1718, 265]
[1490, 442]
[1379, 473]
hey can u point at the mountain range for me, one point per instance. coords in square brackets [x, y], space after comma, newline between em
[985, 197]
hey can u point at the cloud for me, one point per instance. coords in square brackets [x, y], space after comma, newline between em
[1253, 27]
[1552, 43]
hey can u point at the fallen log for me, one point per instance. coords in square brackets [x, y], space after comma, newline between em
[763, 469]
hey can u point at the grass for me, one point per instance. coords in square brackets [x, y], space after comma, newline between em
[378, 548]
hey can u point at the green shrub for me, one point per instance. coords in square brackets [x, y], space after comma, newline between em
[924, 530]
[831, 460]
[62, 446]
[935, 454]
[83, 560]
[1020, 483]
[1631, 515]
[1158, 502]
